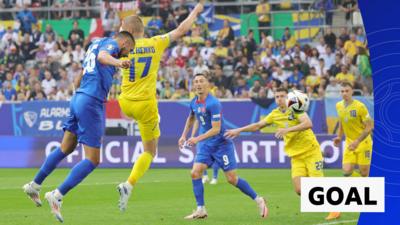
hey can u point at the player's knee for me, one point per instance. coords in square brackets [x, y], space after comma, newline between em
[232, 179]
[347, 172]
[196, 174]
[364, 172]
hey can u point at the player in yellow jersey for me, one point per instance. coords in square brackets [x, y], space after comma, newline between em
[138, 91]
[301, 145]
[356, 125]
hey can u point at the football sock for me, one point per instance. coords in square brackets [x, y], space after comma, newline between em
[355, 174]
[246, 189]
[205, 173]
[141, 165]
[77, 174]
[215, 171]
[198, 190]
[51, 162]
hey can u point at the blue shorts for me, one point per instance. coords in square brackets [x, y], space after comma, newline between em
[223, 155]
[86, 119]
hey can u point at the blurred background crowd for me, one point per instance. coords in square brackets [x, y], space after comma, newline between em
[36, 63]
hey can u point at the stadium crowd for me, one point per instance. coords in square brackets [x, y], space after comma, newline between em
[37, 65]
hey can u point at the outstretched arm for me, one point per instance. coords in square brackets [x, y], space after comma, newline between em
[105, 58]
[249, 128]
[185, 26]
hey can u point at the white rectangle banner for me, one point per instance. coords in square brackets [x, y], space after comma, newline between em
[342, 194]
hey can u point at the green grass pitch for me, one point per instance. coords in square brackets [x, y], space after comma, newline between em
[162, 197]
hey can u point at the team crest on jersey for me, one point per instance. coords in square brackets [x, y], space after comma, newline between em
[353, 113]
[201, 110]
[110, 47]
[368, 154]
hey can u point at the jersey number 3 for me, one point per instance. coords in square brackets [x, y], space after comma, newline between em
[146, 61]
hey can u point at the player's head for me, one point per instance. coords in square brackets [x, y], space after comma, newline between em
[126, 42]
[201, 84]
[280, 95]
[346, 90]
[134, 25]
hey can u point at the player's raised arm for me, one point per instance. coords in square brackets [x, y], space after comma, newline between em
[188, 125]
[124, 43]
[185, 26]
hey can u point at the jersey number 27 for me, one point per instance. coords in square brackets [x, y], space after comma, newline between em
[146, 61]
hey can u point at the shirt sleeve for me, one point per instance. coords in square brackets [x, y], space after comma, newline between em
[269, 118]
[191, 112]
[364, 114]
[161, 42]
[110, 46]
[215, 111]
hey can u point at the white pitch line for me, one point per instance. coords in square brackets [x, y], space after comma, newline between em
[84, 184]
[337, 222]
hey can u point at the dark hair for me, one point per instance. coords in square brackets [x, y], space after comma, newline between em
[346, 84]
[282, 89]
[125, 34]
[200, 74]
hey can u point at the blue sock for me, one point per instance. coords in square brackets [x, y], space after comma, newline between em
[77, 174]
[205, 173]
[51, 162]
[245, 188]
[198, 190]
[215, 171]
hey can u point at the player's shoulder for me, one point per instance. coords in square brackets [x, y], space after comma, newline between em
[193, 101]
[212, 100]
[359, 104]
[339, 104]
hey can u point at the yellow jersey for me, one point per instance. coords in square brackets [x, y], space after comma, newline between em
[298, 142]
[139, 81]
[351, 47]
[352, 118]
[313, 80]
[345, 77]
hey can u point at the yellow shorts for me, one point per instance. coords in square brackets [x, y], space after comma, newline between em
[360, 156]
[309, 164]
[145, 113]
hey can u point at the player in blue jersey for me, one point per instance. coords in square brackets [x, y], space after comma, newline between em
[86, 122]
[212, 147]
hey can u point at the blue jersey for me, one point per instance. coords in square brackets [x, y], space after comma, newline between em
[97, 78]
[206, 112]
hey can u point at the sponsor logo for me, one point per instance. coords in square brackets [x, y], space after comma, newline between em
[30, 118]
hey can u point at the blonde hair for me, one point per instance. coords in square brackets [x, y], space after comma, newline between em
[133, 24]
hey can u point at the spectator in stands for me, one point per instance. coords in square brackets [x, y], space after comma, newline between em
[251, 77]
[337, 67]
[263, 10]
[219, 79]
[49, 31]
[37, 36]
[313, 60]
[226, 34]
[297, 52]
[9, 92]
[13, 58]
[243, 66]
[241, 89]
[360, 36]
[207, 51]
[170, 23]
[145, 7]
[327, 6]
[41, 53]
[250, 46]
[182, 11]
[344, 35]
[282, 57]
[333, 88]
[344, 75]
[280, 74]
[26, 19]
[27, 48]
[48, 83]
[254, 91]
[154, 25]
[78, 54]
[330, 38]
[313, 80]
[77, 31]
[9, 38]
[200, 67]
[183, 47]
[321, 47]
[349, 7]
[303, 67]
[221, 52]
[109, 21]
[322, 69]
[295, 78]
[350, 46]
[364, 67]
[329, 57]
[49, 43]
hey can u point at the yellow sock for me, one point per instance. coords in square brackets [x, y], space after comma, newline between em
[356, 174]
[142, 164]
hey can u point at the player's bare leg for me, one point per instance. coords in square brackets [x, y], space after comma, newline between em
[348, 170]
[77, 174]
[297, 185]
[242, 185]
[140, 167]
[198, 190]
[364, 170]
[68, 145]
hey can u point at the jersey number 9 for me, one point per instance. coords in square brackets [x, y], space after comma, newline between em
[146, 61]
